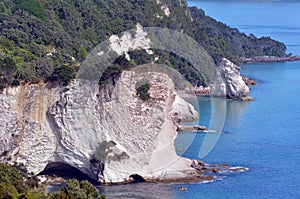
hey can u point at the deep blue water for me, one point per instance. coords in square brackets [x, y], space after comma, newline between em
[275, 18]
[262, 135]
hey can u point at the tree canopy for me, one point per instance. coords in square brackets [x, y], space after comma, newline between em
[40, 38]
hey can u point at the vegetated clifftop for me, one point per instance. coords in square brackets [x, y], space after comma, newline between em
[222, 41]
[49, 39]
[104, 129]
[109, 133]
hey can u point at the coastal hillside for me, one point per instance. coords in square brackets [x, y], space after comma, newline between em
[222, 40]
[48, 40]
[120, 128]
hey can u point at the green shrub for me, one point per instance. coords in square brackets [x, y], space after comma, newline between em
[74, 189]
[8, 67]
[2, 87]
[102, 196]
[11, 179]
[15, 183]
[111, 73]
[63, 74]
[15, 82]
[143, 91]
[91, 191]
[33, 7]
[82, 53]
[73, 28]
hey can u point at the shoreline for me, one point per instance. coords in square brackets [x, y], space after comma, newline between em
[203, 173]
[268, 59]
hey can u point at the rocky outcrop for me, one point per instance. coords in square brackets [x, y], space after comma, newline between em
[183, 111]
[202, 91]
[195, 128]
[248, 81]
[107, 133]
[228, 82]
[266, 58]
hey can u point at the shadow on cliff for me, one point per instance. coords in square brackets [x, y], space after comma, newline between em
[58, 169]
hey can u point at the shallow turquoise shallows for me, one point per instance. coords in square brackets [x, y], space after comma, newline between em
[263, 135]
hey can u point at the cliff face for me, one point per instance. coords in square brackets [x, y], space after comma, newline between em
[107, 133]
[229, 83]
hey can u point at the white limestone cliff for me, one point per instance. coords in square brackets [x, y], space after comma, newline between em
[228, 82]
[109, 133]
[184, 111]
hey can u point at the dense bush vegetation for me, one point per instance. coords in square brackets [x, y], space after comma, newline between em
[31, 6]
[143, 91]
[112, 73]
[222, 41]
[15, 183]
[62, 74]
[77, 190]
[49, 39]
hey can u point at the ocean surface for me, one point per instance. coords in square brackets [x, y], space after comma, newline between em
[275, 18]
[263, 135]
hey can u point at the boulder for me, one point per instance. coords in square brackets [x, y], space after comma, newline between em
[183, 111]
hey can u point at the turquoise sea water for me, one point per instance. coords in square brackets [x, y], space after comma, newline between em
[262, 135]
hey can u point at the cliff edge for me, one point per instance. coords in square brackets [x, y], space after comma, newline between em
[108, 133]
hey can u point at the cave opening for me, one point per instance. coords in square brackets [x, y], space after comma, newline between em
[137, 178]
[63, 170]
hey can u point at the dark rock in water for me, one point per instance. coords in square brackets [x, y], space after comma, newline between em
[194, 128]
[198, 165]
[248, 98]
[215, 168]
[249, 81]
[225, 165]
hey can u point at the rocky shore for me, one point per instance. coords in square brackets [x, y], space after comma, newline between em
[268, 59]
[205, 91]
[194, 128]
[204, 173]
